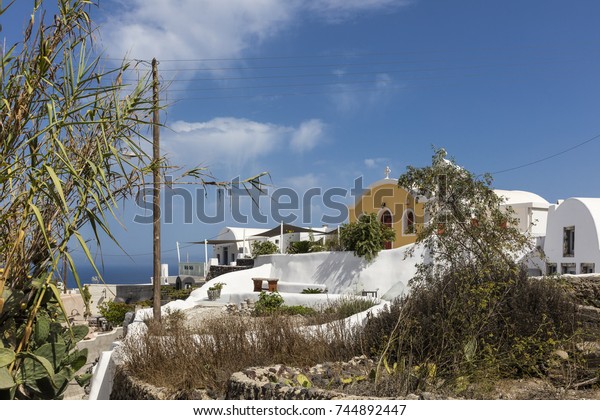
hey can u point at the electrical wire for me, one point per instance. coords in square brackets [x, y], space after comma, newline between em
[562, 152]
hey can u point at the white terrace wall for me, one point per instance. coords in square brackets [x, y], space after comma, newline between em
[343, 272]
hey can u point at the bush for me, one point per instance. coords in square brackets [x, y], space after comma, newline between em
[263, 248]
[296, 310]
[267, 303]
[305, 247]
[114, 312]
[313, 291]
[504, 327]
[366, 237]
[349, 305]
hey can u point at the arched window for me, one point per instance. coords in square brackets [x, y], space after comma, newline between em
[408, 222]
[386, 219]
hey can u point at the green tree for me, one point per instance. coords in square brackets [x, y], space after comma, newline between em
[467, 228]
[366, 237]
[263, 248]
[472, 311]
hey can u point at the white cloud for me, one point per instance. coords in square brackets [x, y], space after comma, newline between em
[233, 142]
[339, 10]
[302, 182]
[374, 162]
[349, 98]
[189, 29]
[307, 136]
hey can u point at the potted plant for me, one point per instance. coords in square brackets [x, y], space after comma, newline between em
[214, 291]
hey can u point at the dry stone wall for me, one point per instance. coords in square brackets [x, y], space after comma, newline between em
[219, 270]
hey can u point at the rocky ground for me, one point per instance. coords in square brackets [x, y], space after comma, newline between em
[356, 377]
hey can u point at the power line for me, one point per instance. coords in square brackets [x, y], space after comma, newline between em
[356, 54]
[562, 152]
[381, 71]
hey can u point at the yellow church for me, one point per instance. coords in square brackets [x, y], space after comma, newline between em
[394, 207]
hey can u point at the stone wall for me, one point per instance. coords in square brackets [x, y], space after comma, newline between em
[245, 262]
[218, 270]
[585, 288]
[126, 387]
[265, 384]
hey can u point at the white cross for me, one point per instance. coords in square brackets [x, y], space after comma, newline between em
[388, 171]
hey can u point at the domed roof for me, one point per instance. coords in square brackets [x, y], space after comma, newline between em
[513, 197]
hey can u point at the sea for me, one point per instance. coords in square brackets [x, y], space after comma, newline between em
[133, 273]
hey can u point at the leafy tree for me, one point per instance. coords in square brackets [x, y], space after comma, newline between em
[366, 237]
[467, 228]
[472, 311]
[263, 248]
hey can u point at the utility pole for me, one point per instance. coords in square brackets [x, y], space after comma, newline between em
[156, 192]
[64, 272]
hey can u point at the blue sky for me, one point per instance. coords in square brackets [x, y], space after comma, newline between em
[320, 92]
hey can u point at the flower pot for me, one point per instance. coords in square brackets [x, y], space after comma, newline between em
[213, 294]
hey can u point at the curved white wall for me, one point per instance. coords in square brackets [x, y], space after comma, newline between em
[343, 272]
[573, 212]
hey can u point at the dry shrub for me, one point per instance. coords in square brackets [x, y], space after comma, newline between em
[177, 357]
[457, 330]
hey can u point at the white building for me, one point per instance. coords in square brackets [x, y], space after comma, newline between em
[531, 210]
[235, 242]
[572, 244]
[232, 243]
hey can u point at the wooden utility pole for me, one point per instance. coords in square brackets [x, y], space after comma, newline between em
[64, 272]
[156, 191]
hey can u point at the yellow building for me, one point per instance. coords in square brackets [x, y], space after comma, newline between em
[394, 206]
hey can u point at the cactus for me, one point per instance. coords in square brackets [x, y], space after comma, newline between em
[43, 368]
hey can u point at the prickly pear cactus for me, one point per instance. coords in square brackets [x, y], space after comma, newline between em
[44, 367]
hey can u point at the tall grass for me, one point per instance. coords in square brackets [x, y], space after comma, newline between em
[178, 357]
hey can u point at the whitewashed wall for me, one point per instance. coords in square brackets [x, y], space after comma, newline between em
[580, 213]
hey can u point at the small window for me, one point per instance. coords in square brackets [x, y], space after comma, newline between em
[569, 241]
[568, 268]
[551, 268]
[408, 222]
[587, 268]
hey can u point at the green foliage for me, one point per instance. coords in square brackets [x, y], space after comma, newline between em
[296, 310]
[313, 291]
[268, 303]
[217, 286]
[472, 311]
[366, 237]
[305, 247]
[65, 120]
[74, 137]
[333, 245]
[263, 248]
[44, 369]
[467, 226]
[346, 306]
[87, 300]
[114, 312]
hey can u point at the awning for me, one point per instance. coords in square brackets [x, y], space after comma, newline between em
[218, 241]
[286, 229]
